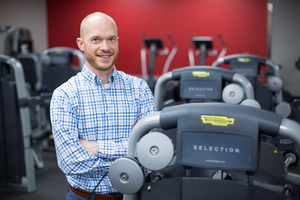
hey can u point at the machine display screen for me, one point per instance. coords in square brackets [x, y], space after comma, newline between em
[156, 41]
[196, 89]
[247, 70]
[203, 40]
[221, 150]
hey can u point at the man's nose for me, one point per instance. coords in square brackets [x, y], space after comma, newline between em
[104, 46]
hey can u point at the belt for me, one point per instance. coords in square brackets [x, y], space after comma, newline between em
[86, 194]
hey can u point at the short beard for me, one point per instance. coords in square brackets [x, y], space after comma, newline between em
[91, 59]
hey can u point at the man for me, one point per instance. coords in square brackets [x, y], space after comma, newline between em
[93, 113]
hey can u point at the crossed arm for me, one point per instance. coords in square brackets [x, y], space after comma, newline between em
[91, 147]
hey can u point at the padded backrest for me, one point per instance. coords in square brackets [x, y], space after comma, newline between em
[55, 76]
[30, 63]
[58, 65]
[60, 58]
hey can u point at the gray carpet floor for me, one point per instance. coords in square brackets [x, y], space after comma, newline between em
[51, 183]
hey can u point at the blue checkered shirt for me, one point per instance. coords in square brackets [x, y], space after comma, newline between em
[84, 108]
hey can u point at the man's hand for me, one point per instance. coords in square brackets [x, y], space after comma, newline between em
[90, 147]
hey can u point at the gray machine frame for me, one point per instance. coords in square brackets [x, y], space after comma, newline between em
[75, 52]
[29, 181]
[162, 80]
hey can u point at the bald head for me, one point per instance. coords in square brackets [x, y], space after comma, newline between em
[92, 18]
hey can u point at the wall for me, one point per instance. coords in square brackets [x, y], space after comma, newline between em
[242, 24]
[285, 46]
[30, 14]
[200, 18]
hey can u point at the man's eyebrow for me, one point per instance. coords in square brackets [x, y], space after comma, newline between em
[97, 36]
[94, 36]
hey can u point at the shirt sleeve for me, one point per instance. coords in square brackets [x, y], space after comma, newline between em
[146, 100]
[71, 157]
[108, 149]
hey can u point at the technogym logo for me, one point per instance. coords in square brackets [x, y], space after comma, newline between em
[216, 149]
[244, 60]
[217, 120]
[201, 73]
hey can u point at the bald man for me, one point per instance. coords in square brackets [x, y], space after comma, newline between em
[93, 113]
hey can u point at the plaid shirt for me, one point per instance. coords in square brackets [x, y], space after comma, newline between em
[85, 108]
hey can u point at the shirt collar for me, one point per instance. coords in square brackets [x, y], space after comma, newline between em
[93, 78]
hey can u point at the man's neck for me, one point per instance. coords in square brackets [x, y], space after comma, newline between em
[104, 76]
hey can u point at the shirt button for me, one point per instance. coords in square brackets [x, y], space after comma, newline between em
[107, 112]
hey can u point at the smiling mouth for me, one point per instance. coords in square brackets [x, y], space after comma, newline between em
[105, 57]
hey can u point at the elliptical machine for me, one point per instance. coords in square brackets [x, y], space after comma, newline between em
[155, 47]
[204, 47]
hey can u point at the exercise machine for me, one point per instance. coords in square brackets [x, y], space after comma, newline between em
[268, 90]
[58, 64]
[207, 84]
[204, 47]
[18, 139]
[22, 49]
[18, 44]
[21, 41]
[154, 47]
[6, 33]
[268, 93]
[216, 155]
[204, 83]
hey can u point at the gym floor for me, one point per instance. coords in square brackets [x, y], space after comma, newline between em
[51, 183]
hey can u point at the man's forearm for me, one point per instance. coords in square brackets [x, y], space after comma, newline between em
[90, 147]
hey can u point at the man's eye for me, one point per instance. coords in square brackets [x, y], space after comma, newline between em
[95, 39]
[112, 39]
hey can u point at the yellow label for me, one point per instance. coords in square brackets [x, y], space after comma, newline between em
[216, 120]
[201, 74]
[244, 60]
[59, 51]
[275, 151]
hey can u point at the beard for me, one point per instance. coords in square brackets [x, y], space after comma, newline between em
[92, 60]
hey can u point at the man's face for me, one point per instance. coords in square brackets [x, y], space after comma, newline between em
[100, 44]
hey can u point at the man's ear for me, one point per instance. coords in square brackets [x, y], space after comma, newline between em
[80, 44]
